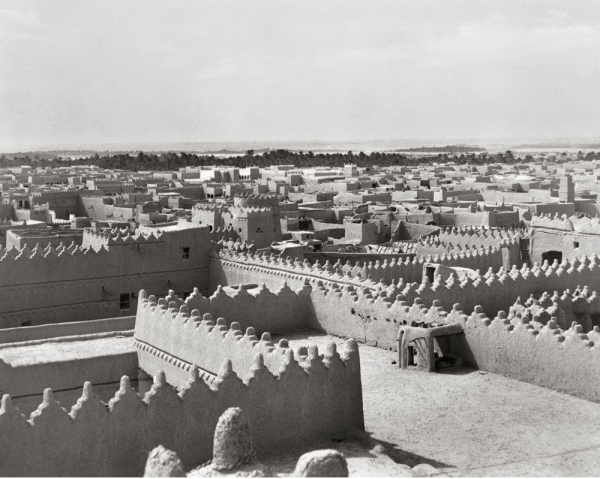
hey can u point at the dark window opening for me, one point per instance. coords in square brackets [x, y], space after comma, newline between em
[210, 228]
[551, 256]
[259, 231]
[430, 273]
[575, 244]
[595, 319]
[124, 301]
[26, 323]
[304, 224]
[185, 252]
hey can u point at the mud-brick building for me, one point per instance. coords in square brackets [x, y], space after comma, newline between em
[101, 278]
[563, 238]
[255, 218]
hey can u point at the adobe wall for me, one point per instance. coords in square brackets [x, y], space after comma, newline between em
[566, 361]
[365, 233]
[543, 196]
[195, 192]
[64, 203]
[25, 383]
[343, 257]
[232, 268]
[543, 240]
[276, 311]
[590, 208]
[368, 317]
[71, 284]
[506, 249]
[171, 325]
[6, 212]
[259, 226]
[68, 397]
[566, 307]
[94, 207]
[315, 398]
[78, 328]
[499, 290]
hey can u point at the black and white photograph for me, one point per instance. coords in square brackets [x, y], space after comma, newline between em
[300, 238]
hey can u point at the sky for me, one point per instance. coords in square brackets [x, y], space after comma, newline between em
[82, 72]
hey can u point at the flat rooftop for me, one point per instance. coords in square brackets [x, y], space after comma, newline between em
[468, 422]
[56, 352]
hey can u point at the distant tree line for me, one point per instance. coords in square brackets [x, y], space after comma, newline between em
[174, 161]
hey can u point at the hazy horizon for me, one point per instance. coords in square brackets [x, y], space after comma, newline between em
[82, 72]
[536, 144]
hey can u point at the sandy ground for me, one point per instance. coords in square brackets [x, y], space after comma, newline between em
[464, 422]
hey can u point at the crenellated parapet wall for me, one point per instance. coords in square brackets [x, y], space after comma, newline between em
[54, 193]
[236, 268]
[63, 277]
[226, 234]
[172, 338]
[256, 201]
[320, 396]
[251, 213]
[566, 307]
[169, 325]
[564, 360]
[498, 290]
[233, 268]
[231, 245]
[211, 207]
[276, 311]
[552, 222]
[370, 317]
[480, 236]
[107, 237]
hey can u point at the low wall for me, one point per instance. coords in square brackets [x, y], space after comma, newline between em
[33, 333]
[61, 363]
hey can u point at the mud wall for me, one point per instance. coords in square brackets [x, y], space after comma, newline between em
[95, 439]
[566, 361]
[63, 284]
[36, 333]
[232, 268]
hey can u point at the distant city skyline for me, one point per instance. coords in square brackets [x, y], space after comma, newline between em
[90, 73]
